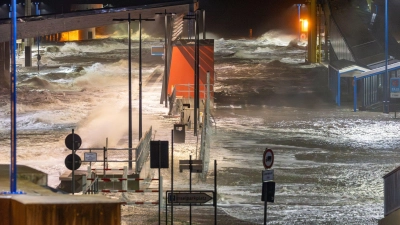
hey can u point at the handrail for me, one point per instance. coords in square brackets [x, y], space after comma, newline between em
[143, 151]
[190, 89]
[95, 181]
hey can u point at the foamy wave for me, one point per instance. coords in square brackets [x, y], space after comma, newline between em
[31, 122]
[276, 37]
[73, 47]
[98, 73]
[263, 50]
[243, 54]
[292, 60]
[109, 69]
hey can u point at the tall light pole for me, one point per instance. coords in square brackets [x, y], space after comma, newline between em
[298, 12]
[166, 56]
[129, 89]
[140, 71]
[13, 114]
[196, 70]
[385, 83]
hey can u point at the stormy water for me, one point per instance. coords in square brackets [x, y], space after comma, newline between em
[329, 160]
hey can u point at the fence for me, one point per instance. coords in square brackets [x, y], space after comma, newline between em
[391, 194]
[143, 150]
[91, 180]
[368, 87]
[142, 153]
[187, 90]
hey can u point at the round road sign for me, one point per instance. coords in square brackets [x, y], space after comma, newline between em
[77, 140]
[268, 158]
[69, 161]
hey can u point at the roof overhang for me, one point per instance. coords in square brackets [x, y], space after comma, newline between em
[52, 24]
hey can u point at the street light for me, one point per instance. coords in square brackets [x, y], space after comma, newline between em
[165, 57]
[196, 69]
[299, 22]
[386, 81]
[130, 89]
[13, 114]
[140, 71]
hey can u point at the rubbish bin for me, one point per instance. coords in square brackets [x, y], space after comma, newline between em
[179, 133]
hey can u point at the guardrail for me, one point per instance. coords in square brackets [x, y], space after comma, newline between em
[143, 150]
[93, 180]
[391, 187]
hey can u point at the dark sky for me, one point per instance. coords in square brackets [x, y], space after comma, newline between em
[234, 18]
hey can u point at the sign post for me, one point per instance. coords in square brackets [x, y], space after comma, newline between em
[268, 187]
[73, 142]
[189, 198]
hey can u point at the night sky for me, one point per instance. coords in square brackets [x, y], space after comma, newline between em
[230, 18]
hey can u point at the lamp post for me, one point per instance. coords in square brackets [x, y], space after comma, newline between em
[13, 114]
[166, 56]
[140, 71]
[129, 89]
[196, 70]
[386, 81]
[298, 12]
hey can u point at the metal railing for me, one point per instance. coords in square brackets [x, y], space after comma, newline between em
[391, 186]
[187, 90]
[143, 150]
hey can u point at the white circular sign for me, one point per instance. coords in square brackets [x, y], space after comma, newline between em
[268, 158]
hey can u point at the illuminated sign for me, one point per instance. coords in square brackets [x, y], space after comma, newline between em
[395, 87]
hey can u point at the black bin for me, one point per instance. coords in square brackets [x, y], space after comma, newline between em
[179, 133]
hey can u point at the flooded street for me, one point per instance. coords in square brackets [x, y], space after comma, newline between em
[329, 160]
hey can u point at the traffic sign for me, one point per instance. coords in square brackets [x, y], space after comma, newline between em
[187, 197]
[157, 50]
[395, 87]
[268, 158]
[68, 161]
[76, 139]
[159, 154]
[90, 156]
[267, 175]
[268, 191]
[196, 166]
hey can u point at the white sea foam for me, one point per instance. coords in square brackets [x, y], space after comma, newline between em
[276, 37]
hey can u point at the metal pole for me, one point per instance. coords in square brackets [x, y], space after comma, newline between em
[130, 91]
[104, 162]
[204, 24]
[165, 62]
[196, 74]
[198, 66]
[298, 12]
[166, 207]
[172, 176]
[190, 188]
[159, 182]
[194, 85]
[208, 100]
[13, 158]
[140, 76]
[38, 56]
[385, 83]
[73, 163]
[215, 191]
